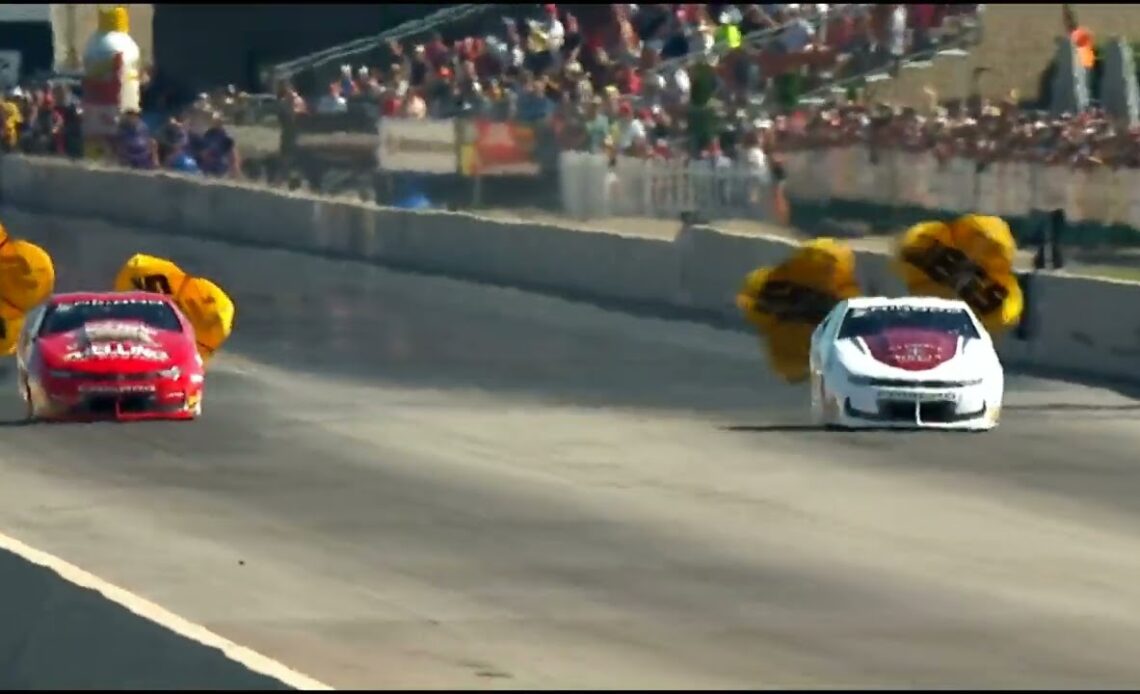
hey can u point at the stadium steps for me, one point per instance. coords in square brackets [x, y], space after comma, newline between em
[912, 66]
[1017, 44]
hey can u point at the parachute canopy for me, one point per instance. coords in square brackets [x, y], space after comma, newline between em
[970, 258]
[788, 301]
[206, 305]
[27, 279]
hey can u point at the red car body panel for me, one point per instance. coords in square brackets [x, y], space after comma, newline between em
[117, 367]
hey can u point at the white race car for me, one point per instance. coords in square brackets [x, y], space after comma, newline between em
[908, 363]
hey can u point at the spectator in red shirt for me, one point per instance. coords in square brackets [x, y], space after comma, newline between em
[391, 104]
[436, 51]
[922, 21]
[629, 80]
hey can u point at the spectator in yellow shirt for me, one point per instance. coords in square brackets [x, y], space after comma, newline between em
[10, 121]
[727, 33]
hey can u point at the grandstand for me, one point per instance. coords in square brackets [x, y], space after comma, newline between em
[756, 61]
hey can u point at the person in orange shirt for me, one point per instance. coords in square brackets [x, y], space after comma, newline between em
[1081, 37]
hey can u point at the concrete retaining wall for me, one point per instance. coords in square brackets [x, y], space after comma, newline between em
[1089, 327]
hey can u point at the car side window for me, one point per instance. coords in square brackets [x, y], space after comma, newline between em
[827, 328]
[34, 319]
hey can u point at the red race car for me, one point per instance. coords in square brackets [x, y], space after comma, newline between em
[120, 355]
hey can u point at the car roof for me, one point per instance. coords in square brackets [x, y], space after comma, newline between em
[71, 297]
[906, 301]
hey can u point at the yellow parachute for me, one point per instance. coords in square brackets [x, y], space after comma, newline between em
[788, 301]
[27, 279]
[971, 258]
[208, 308]
[10, 334]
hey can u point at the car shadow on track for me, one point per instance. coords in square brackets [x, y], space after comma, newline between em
[804, 428]
[1071, 407]
[774, 428]
[21, 422]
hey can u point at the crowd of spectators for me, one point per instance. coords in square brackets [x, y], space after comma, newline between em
[984, 131]
[663, 80]
[41, 119]
[637, 79]
[46, 119]
[980, 129]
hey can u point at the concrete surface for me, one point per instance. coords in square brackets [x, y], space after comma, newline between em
[58, 633]
[410, 481]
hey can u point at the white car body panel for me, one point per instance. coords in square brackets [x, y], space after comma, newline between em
[906, 377]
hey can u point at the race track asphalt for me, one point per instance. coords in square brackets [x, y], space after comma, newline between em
[410, 481]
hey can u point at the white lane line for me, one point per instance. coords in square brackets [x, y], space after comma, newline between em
[148, 610]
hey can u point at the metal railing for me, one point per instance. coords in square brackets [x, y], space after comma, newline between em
[592, 187]
[342, 51]
[757, 39]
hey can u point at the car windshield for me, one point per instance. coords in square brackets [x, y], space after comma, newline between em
[868, 321]
[65, 317]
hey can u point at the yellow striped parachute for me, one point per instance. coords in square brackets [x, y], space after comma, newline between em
[27, 279]
[788, 301]
[970, 258]
[209, 309]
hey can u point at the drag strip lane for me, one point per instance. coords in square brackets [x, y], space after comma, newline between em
[410, 481]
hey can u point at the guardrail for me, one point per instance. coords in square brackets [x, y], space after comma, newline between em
[351, 48]
[591, 188]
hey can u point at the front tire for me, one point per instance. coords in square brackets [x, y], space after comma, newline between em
[818, 396]
[31, 412]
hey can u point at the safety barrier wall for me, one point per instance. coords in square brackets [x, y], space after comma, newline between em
[886, 188]
[891, 188]
[1088, 326]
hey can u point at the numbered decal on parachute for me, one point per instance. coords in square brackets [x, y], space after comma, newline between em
[10, 334]
[209, 309]
[970, 259]
[788, 301]
[27, 279]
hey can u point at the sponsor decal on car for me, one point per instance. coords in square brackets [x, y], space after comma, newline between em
[118, 330]
[117, 350]
[913, 396]
[115, 389]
